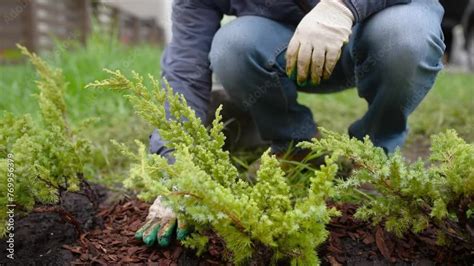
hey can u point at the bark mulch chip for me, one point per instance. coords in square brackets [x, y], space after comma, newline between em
[353, 242]
[108, 239]
[115, 242]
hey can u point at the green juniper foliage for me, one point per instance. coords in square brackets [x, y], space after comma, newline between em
[48, 156]
[204, 187]
[409, 196]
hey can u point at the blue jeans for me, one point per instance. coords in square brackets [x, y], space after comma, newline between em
[392, 58]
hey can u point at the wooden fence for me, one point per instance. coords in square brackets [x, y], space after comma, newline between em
[129, 28]
[37, 23]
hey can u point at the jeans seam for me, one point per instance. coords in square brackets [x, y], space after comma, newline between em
[355, 56]
[273, 60]
[274, 73]
[276, 76]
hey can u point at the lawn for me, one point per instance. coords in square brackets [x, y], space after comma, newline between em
[113, 116]
[449, 104]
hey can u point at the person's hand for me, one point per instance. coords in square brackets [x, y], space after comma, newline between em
[160, 225]
[317, 42]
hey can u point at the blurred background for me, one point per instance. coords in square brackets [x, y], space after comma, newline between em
[458, 29]
[35, 23]
[82, 37]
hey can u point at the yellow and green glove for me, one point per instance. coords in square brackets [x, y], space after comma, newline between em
[160, 225]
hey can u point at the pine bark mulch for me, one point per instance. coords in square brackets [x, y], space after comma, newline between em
[350, 242]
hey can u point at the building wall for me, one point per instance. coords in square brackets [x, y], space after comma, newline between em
[158, 9]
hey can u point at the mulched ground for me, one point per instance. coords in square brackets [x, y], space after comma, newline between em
[44, 238]
[357, 243]
[351, 243]
[115, 242]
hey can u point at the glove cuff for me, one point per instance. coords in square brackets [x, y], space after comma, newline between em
[340, 7]
[159, 209]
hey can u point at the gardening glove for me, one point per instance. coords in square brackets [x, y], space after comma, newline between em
[160, 225]
[316, 45]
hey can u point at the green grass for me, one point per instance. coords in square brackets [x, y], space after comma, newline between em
[80, 66]
[449, 105]
[115, 118]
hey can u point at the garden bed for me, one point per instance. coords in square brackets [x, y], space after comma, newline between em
[107, 231]
[108, 238]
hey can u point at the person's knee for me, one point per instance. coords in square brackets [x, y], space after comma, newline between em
[404, 45]
[233, 49]
[415, 50]
[248, 45]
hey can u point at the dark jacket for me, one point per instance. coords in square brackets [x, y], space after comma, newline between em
[185, 63]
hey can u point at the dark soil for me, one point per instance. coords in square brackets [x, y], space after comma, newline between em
[40, 235]
[418, 148]
[108, 239]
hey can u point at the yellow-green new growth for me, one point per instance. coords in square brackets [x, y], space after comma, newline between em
[409, 196]
[51, 85]
[204, 186]
[48, 156]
